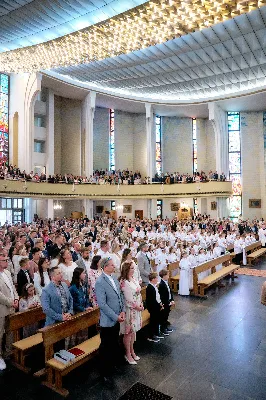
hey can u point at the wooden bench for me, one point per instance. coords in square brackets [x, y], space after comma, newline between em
[255, 252]
[22, 347]
[54, 333]
[228, 269]
[173, 280]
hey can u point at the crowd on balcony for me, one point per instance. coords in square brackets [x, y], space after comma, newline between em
[109, 177]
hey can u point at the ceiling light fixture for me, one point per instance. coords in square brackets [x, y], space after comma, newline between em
[152, 23]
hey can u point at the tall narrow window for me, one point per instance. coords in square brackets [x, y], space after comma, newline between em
[159, 208]
[4, 126]
[113, 205]
[158, 156]
[234, 146]
[194, 144]
[112, 141]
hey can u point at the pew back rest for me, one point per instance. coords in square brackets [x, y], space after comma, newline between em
[143, 293]
[24, 318]
[253, 246]
[226, 258]
[54, 333]
[172, 267]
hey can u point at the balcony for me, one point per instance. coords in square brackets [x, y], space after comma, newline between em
[10, 188]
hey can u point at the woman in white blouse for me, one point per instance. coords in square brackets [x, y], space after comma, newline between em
[67, 266]
[41, 278]
[127, 256]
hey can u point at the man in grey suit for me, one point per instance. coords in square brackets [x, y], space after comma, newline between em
[57, 302]
[8, 303]
[111, 304]
[144, 264]
[84, 262]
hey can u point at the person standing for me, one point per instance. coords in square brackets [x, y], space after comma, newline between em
[144, 264]
[134, 306]
[112, 313]
[56, 300]
[154, 306]
[8, 303]
[167, 299]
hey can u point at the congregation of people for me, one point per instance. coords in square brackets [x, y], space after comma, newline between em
[109, 177]
[70, 266]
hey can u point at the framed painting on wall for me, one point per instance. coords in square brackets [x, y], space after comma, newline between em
[254, 203]
[213, 205]
[127, 209]
[175, 206]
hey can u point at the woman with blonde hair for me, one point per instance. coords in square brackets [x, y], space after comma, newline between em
[67, 266]
[133, 302]
[127, 257]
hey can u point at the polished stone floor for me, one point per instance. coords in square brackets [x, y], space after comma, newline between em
[217, 351]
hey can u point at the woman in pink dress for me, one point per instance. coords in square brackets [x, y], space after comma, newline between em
[134, 306]
[93, 274]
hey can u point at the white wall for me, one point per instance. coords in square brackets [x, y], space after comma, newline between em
[101, 138]
[124, 128]
[177, 144]
[210, 148]
[139, 144]
[252, 143]
[57, 134]
[71, 136]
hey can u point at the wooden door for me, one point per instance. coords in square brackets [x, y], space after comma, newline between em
[139, 214]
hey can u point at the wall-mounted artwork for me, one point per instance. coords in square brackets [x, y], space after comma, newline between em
[254, 203]
[213, 205]
[127, 209]
[175, 206]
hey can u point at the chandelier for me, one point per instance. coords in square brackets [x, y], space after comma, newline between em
[57, 206]
[152, 23]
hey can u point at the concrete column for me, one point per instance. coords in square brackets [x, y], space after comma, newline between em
[23, 90]
[223, 207]
[50, 208]
[50, 133]
[29, 207]
[88, 208]
[152, 208]
[150, 141]
[87, 117]
[218, 118]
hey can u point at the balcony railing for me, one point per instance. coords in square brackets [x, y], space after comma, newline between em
[10, 188]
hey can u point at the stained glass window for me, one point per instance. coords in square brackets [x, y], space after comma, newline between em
[194, 145]
[158, 154]
[112, 141]
[4, 95]
[159, 208]
[234, 144]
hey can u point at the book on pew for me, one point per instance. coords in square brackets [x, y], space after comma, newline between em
[76, 351]
[64, 356]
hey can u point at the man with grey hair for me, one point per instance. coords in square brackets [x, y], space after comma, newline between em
[144, 263]
[112, 313]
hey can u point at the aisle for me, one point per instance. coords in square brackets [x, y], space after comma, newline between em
[218, 351]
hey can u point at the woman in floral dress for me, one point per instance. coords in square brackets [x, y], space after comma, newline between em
[134, 306]
[93, 274]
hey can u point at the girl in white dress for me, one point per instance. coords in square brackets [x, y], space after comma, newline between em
[184, 282]
[29, 300]
[217, 253]
[201, 260]
[41, 278]
[67, 266]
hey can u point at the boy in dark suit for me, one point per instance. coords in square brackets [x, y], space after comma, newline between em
[167, 301]
[23, 276]
[154, 306]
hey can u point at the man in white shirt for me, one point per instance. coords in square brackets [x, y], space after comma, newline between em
[8, 303]
[104, 249]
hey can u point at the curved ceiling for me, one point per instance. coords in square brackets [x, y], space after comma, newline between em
[226, 59]
[29, 22]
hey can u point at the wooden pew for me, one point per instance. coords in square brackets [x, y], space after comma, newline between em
[22, 347]
[255, 252]
[173, 280]
[54, 333]
[230, 247]
[228, 269]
